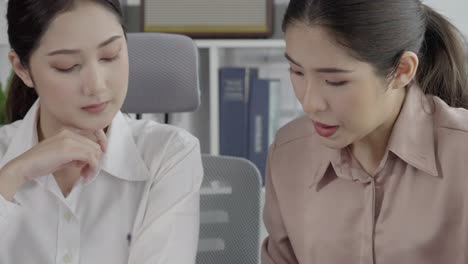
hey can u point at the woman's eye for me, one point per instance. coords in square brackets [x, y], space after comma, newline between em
[337, 83]
[68, 70]
[298, 73]
[110, 59]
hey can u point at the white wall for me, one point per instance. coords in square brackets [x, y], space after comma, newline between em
[455, 10]
[4, 64]
[3, 26]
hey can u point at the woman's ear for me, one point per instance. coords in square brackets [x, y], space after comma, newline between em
[20, 69]
[406, 70]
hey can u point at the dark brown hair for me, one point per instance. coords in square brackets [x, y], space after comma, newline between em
[28, 20]
[380, 31]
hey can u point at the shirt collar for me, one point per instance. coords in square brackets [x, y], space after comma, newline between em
[412, 140]
[413, 136]
[25, 135]
[122, 158]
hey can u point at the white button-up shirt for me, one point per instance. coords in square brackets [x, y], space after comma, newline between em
[142, 207]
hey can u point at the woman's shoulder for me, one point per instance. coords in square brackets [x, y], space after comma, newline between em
[7, 132]
[295, 143]
[151, 131]
[451, 140]
[451, 133]
[450, 118]
[297, 130]
[161, 144]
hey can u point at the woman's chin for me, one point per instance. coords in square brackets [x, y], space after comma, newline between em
[94, 125]
[334, 143]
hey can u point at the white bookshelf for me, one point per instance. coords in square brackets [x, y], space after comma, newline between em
[248, 43]
[215, 50]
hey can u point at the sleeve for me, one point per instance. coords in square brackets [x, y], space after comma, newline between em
[170, 227]
[8, 211]
[276, 249]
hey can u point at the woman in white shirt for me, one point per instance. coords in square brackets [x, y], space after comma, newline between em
[79, 181]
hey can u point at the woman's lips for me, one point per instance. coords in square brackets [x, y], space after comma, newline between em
[325, 130]
[95, 108]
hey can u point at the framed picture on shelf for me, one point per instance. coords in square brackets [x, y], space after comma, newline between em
[209, 18]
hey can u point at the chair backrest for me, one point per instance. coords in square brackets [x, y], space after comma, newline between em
[229, 211]
[163, 74]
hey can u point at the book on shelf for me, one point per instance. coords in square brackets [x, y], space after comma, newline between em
[289, 107]
[271, 64]
[233, 107]
[249, 114]
[258, 118]
[274, 109]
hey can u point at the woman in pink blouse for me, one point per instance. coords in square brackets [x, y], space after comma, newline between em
[377, 169]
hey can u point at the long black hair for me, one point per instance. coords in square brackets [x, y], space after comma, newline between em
[380, 31]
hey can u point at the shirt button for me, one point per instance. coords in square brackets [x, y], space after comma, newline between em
[68, 258]
[68, 216]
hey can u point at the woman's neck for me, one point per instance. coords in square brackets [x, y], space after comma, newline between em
[370, 150]
[45, 128]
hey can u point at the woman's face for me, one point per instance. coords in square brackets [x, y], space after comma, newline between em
[80, 68]
[344, 97]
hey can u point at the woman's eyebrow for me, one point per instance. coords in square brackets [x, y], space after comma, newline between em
[76, 51]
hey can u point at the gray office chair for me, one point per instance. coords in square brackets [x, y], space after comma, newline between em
[164, 79]
[230, 211]
[163, 74]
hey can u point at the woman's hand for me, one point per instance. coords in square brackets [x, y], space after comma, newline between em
[67, 148]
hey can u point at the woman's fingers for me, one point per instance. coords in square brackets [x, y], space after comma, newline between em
[68, 148]
[81, 156]
[101, 139]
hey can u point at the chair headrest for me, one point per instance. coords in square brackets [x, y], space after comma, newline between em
[163, 74]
